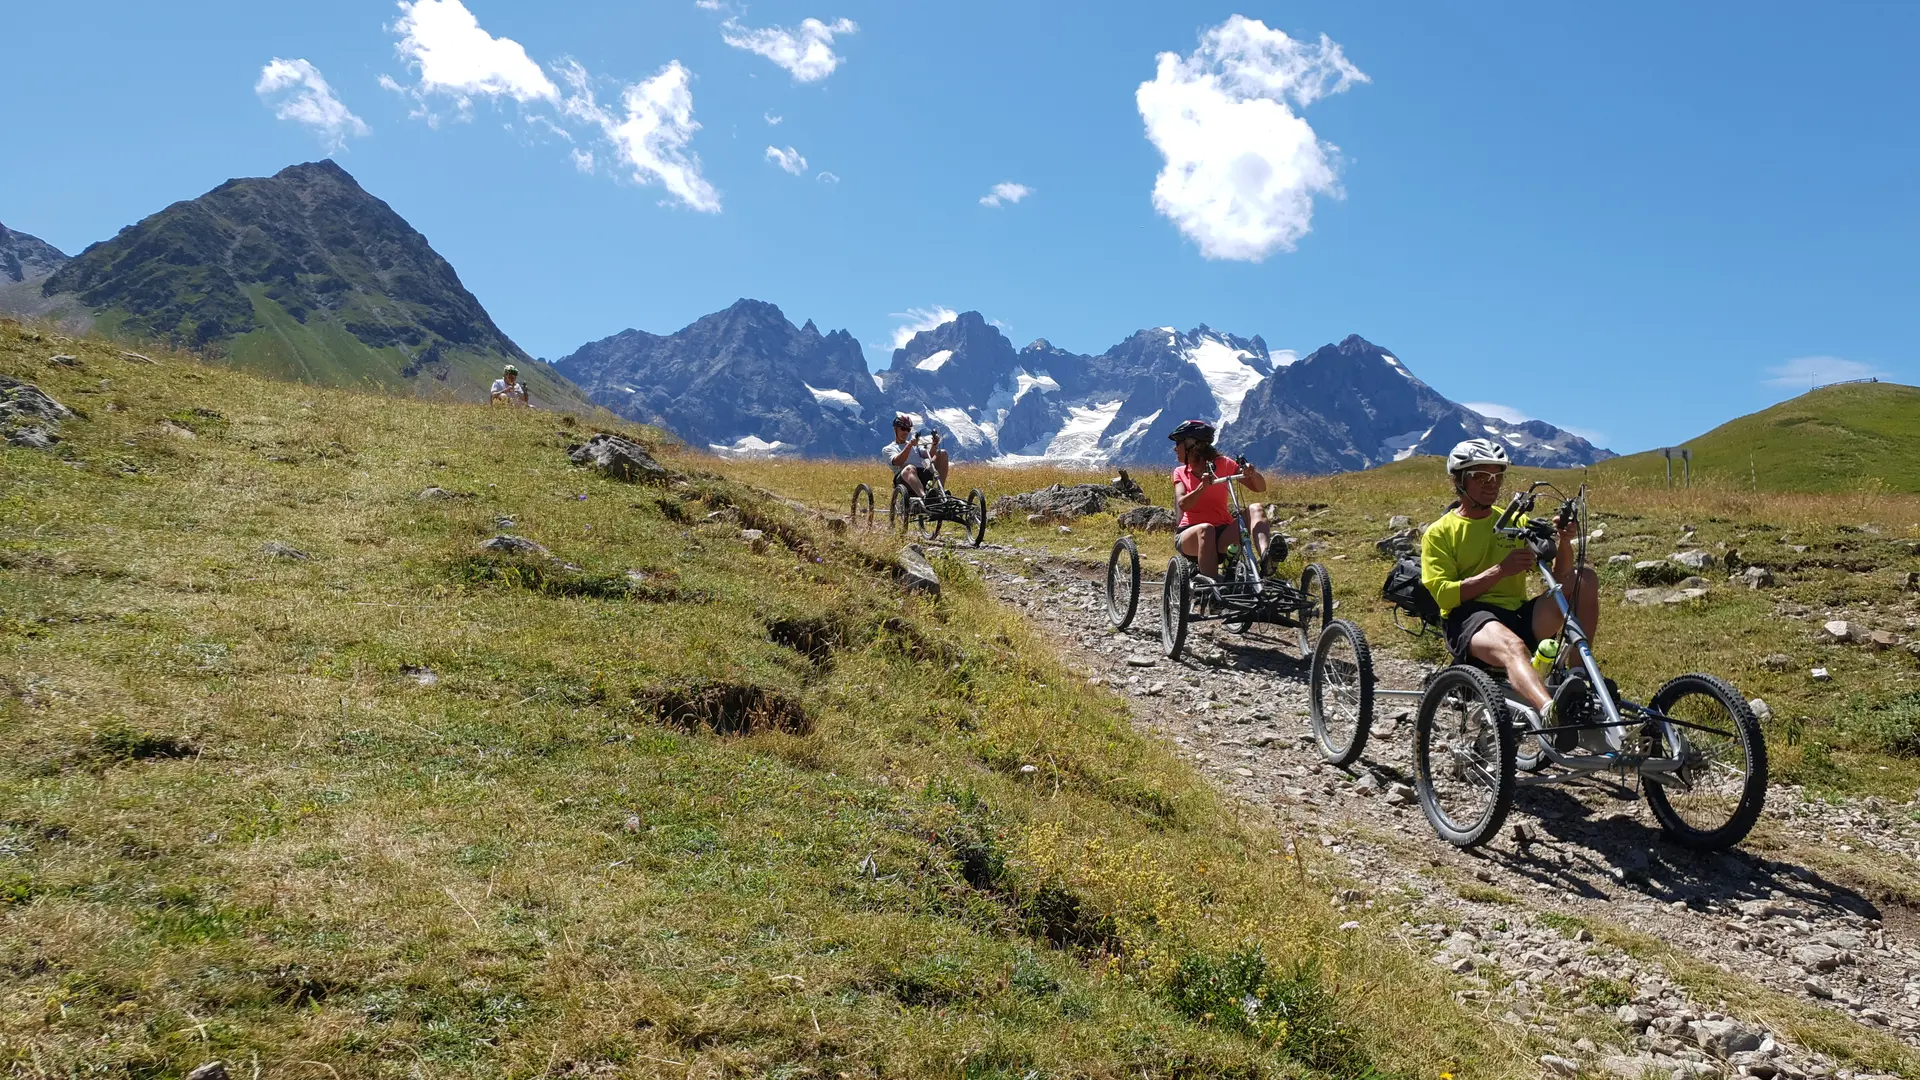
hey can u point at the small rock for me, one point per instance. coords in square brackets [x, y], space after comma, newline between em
[1349, 926]
[1065, 530]
[1835, 631]
[1776, 661]
[916, 571]
[1724, 1038]
[750, 535]
[1646, 597]
[1560, 1066]
[619, 458]
[1522, 835]
[1756, 577]
[632, 824]
[1141, 661]
[1402, 521]
[1797, 549]
[425, 676]
[1583, 935]
[1036, 519]
[512, 545]
[274, 549]
[1148, 519]
[1029, 770]
[1399, 794]
[1881, 639]
[1682, 596]
[1693, 560]
[1761, 710]
[1613, 560]
[212, 1070]
[1462, 966]
[437, 493]
[1816, 957]
[1817, 988]
[1821, 674]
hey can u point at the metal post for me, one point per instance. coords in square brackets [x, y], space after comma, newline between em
[1667, 452]
[1686, 464]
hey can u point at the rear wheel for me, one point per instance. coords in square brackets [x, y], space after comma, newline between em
[1713, 801]
[1176, 606]
[1123, 582]
[1340, 692]
[1463, 751]
[862, 499]
[897, 508]
[977, 510]
[1316, 605]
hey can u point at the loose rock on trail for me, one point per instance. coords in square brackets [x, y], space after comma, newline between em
[1510, 919]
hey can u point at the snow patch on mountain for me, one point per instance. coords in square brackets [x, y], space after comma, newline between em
[751, 446]
[1227, 373]
[1400, 447]
[1077, 443]
[965, 431]
[933, 363]
[835, 399]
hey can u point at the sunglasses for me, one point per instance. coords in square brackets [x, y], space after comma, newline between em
[1482, 476]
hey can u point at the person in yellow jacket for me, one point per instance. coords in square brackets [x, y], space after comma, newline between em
[1480, 579]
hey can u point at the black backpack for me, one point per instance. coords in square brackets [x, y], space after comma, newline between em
[1404, 590]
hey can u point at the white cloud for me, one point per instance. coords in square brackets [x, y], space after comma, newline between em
[455, 57]
[1005, 192]
[296, 91]
[827, 178]
[1241, 168]
[709, 5]
[788, 159]
[1499, 412]
[771, 119]
[806, 51]
[918, 319]
[651, 138]
[583, 160]
[1803, 372]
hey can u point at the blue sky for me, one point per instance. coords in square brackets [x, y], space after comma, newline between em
[1633, 220]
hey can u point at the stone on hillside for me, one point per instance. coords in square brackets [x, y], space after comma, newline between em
[1560, 1066]
[1755, 577]
[619, 458]
[1821, 674]
[1404, 542]
[1071, 501]
[212, 1070]
[32, 438]
[1725, 1038]
[1835, 632]
[1913, 581]
[22, 399]
[1776, 661]
[1693, 560]
[1762, 711]
[435, 494]
[1682, 596]
[916, 571]
[1616, 559]
[1148, 519]
[512, 545]
[1880, 639]
[1694, 582]
[1645, 597]
[1657, 572]
[1399, 521]
[64, 360]
[274, 549]
[1816, 957]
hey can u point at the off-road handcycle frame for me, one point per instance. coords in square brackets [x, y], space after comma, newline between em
[928, 512]
[1696, 746]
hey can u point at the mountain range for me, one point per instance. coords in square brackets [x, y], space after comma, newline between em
[305, 275]
[747, 381]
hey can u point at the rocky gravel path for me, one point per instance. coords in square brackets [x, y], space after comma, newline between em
[1508, 918]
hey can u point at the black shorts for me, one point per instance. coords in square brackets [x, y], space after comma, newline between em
[926, 475]
[1466, 620]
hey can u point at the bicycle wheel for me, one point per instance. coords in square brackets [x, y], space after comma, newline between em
[1123, 582]
[1463, 750]
[1340, 692]
[977, 509]
[859, 491]
[1718, 794]
[1316, 605]
[897, 509]
[1176, 606]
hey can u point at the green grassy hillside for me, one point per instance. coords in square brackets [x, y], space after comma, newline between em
[667, 803]
[1853, 437]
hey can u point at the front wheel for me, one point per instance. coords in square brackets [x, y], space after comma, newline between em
[1123, 582]
[1316, 606]
[1463, 751]
[1712, 802]
[1176, 606]
[862, 496]
[897, 508]
[977, 511]
[1340, 693]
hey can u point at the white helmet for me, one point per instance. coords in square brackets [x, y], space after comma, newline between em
[1476, 452]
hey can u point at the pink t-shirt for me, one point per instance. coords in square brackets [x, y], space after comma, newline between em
[1211, 507]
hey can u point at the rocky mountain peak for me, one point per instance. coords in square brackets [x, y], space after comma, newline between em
[24, 257]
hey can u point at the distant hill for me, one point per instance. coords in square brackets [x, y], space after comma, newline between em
[300, 275]
[25, 262]
[1832, 439]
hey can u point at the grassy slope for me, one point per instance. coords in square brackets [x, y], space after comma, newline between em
[233, 825]
[1862, 436]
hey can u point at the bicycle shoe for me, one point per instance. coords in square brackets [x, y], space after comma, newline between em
[1572, 704]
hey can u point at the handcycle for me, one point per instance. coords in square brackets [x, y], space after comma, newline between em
[929, 512]
[1696, 744]
[1246, 591]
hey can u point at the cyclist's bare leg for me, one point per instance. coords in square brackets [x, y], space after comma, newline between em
[911, 479]
[1496, 646]
[940, 464]
[1584, 594]
[1202, 542]
[1261, 528]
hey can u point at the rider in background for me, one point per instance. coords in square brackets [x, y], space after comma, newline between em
[508, 389]
[913, 467]
[1480, 579]
[1206, 519]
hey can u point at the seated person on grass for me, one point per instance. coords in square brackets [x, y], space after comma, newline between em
[1480, 579]
[508, 389]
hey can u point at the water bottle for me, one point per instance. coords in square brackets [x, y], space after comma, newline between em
[1544, 656]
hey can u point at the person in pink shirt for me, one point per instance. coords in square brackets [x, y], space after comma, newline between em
[1206, 524]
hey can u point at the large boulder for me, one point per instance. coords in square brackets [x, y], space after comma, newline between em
[916, 571]
[1071, 500]
[28, 417]
[1148, 519]
[620, 458]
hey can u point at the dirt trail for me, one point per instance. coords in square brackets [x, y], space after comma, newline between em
[1236, 706]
